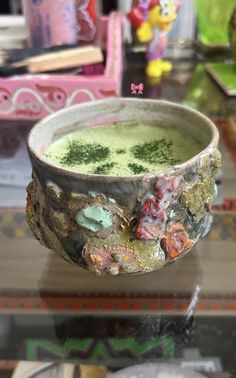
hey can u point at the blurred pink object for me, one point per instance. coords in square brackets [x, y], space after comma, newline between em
[178, 4]
[51, 22]
[86, 16]
[93, 69]
[34, 96]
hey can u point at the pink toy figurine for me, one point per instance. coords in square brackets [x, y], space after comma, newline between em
[152, 20]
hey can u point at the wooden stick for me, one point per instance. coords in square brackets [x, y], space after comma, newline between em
[63, 59]
[90, 371]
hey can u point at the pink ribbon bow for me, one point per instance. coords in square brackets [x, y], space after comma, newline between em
[137, 89]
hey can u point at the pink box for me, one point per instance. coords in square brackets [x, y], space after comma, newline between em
[31, 97]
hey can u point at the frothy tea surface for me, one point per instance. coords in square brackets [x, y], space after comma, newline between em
[122, 149]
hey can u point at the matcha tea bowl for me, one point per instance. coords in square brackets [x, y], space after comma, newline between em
[122, 185]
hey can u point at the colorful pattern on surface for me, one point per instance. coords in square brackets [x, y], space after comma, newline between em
[13, 223]
[102, 234]
[97, 350]
[23, 302]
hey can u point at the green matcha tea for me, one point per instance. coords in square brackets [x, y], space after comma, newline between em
[123, 149]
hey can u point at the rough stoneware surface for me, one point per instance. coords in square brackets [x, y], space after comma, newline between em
[126, 224]
[153, 370]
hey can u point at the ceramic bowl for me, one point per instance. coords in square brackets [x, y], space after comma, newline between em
[155, 370]
[126, 224]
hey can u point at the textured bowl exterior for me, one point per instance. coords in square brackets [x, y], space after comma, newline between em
[125, 224]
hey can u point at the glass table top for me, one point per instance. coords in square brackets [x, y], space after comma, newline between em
[184, 314]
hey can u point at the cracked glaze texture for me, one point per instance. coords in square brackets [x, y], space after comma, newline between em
[127, 224]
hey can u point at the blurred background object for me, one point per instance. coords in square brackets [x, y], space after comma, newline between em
[232, 34]
[51, 22]
[224, 71]
[4, 7]
[109, 6]
[212, 21]
[124, 7]
[16, 6]
[44, 370]
[87, 11]
[182, 36]
[13, 32]
[152, 22]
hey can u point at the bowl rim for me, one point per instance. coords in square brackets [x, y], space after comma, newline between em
[158, 367]
[79, 175]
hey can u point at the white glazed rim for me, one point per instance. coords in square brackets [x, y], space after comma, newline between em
[64, 171]
[156, 368]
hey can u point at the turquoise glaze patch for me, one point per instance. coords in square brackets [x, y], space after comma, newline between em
[94, 218]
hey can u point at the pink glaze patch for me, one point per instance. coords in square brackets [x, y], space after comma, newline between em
[153, 213]
[101, 121]
[114, 260]
[42, 149]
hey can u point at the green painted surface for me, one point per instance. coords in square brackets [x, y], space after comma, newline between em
[225, 73]
[213, 18]
[101, 350]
